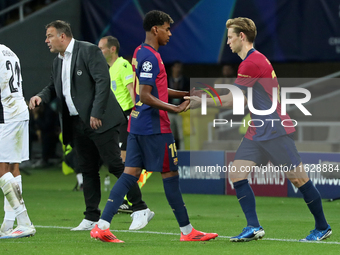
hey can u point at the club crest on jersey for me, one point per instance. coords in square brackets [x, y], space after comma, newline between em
[79, 72]
[147, 66]
[175, 161]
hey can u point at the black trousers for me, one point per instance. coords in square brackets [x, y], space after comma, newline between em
[123, 133]
[90, 148]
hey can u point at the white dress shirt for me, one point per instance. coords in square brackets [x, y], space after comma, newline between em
[66, 78]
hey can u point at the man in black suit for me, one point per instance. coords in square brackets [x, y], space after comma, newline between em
[90, 116]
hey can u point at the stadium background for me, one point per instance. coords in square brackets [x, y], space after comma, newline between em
[301, 38]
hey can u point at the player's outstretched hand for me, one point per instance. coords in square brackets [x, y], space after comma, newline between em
[194, 92]
[195, 102]
[183, 106]
[34, 101]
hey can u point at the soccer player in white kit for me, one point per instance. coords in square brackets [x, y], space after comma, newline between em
[14, 118]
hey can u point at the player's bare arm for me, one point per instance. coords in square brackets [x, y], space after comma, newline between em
[131, 91]
[177, 94]
[227, 101]
[181, 94]
[147, 98]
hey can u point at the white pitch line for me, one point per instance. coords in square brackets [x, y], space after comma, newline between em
[177, 234]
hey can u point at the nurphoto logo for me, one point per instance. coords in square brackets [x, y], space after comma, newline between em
[239, 105]
[204, 97]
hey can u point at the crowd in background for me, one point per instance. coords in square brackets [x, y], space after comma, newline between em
[13, 15]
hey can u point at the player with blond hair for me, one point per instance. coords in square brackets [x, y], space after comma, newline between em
[271, 141]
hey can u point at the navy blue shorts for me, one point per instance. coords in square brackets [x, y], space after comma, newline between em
[155, 153]
[280, 151]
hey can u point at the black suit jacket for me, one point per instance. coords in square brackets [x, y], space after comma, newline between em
[90, 90]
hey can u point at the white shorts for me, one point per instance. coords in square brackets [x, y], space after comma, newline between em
[14, 142]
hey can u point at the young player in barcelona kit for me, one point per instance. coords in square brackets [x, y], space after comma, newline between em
[150, 142]
[271, 141]
[14, 118]
[121, 75]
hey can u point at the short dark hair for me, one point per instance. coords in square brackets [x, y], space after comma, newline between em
[61, 27]
[156, 18]
[112, 41]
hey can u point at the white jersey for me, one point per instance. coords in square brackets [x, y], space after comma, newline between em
[12, 106]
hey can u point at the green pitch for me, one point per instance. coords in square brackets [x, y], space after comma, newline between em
[55, 209]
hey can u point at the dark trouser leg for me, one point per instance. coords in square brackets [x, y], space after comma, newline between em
[89, 164]
[109, 150]
[72, 161]
[92, 195]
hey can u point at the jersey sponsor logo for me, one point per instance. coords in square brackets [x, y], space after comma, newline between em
[134, 114]
[147, 66]
[7, 53]
[146, 75]
[128, 77]
[244, 75]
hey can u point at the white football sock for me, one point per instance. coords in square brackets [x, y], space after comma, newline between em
[13, 194]
[9, 218]
[103, 224]
[9, 212]
[18, 179]
[6, 225]
[186, 230]
[80, 179]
